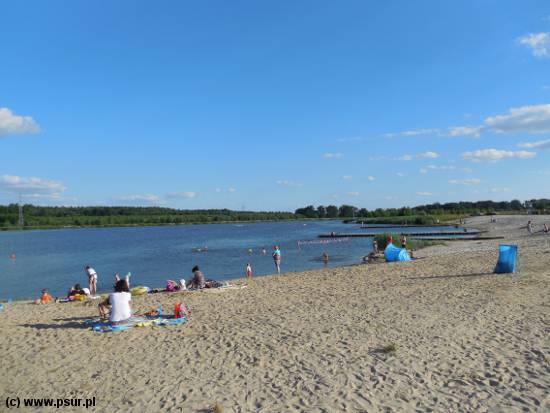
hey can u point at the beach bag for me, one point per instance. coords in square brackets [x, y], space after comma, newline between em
[507, 259]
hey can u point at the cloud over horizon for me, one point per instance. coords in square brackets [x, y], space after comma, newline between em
[495, 155]
[32, 187]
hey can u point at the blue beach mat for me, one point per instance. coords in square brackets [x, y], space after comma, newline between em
[507, 259]
[392, 253]
[106, 327]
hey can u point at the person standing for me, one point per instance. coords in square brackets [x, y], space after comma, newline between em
[404, 241]
[375, 246]
[92, 280]
[249, 270]
[277, 258]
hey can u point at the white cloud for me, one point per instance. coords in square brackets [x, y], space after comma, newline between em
[428, 168]
[354, 193]
[371, 178]
[11, 124]
[538, 144]
[182, 195]
[347, 177]
[32, 187]
[284, 182]
[413, 132]
[496, 190]
[470, 181]
[423, 155]
[400, 174]
[333, 155]
[467, 170]
[530, 119]
[474, 131]
[539, 43]
[230, 189]
[494, 155]
[16, 183]
[149, 199]
[424, 194]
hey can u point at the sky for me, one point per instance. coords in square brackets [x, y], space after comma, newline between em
[274, 105]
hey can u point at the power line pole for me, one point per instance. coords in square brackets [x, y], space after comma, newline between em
[21, 217]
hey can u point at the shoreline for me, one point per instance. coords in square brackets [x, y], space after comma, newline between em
[442, 333]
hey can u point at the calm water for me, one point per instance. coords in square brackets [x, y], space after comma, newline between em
[55, 259]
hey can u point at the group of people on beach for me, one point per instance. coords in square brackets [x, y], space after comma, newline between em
[117, 306]
[531, 228]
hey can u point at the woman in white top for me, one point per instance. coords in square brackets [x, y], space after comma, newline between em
[92, 279]
[119, 301]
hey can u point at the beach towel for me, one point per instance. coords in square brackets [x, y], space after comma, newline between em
[392, 253]
[507, 259]
[100, 326]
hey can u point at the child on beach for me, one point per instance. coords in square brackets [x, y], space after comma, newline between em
[248, 270]
[45, 297]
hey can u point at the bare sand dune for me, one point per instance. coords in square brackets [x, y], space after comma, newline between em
[466, 340]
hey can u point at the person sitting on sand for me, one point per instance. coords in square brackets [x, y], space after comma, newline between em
[198, 279]
[76, 290]
[45, 297]
[120, 304]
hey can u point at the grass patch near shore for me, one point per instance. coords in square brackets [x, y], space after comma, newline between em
[415, 244]
[414, 219]
[390, 348]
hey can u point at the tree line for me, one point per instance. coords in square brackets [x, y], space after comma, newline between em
[535, 206]
[55, 217]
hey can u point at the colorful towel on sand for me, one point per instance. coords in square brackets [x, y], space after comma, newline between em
[100, 326]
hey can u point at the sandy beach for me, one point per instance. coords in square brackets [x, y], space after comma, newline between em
[465, 340]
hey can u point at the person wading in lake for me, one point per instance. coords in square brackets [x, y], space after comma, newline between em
[277, 258]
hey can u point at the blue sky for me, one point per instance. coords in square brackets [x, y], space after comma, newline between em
[274, 105]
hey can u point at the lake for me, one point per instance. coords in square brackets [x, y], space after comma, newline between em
[55, 259]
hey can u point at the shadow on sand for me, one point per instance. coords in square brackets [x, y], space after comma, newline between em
[442, 277]
[76, 323]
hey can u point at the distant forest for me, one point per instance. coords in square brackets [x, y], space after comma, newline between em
[426, 214]
[57, 217]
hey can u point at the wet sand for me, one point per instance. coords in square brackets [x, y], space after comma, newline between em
[465, 340]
